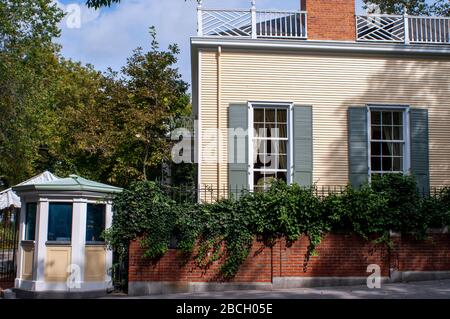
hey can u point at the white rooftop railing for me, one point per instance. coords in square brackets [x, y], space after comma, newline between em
[403, 29]
[251, 23]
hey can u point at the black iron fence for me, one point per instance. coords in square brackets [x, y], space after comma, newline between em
[9, 239]
[193, 194]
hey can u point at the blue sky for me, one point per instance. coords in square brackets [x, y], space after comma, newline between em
[106, 37]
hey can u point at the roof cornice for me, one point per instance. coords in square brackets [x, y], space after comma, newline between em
[322, 46]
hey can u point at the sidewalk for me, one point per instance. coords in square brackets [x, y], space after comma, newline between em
[439, 289]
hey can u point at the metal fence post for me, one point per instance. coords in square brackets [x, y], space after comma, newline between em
[199, 19]
[253, 10]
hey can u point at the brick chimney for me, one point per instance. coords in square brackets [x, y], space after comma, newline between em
[330, 19]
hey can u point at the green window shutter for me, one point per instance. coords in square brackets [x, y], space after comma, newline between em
[238, 148]
[303, 145]
[357, 143]
[419, 149]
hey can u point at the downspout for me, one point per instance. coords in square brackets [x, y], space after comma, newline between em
[219, 119]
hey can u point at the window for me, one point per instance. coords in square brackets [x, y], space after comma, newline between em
[270, 145]
[388, 147]
[60, 222]
[95, 222]
[30, 221]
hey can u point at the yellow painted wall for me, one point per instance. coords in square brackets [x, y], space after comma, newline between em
[95, 263]
[330, 83]
[27, 264]
[57, 262]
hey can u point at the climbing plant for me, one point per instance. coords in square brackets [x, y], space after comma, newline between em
[225, 230]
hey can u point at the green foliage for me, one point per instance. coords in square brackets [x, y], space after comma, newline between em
[414, 7]
[66, 117]
[226, 229]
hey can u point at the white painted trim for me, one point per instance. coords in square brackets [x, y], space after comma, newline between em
[78, 240]
[316, 45]
[41, 286]
[199, 125]
[40, 250]
[22, 218]
[251, 161]
[109, 253]
[406, 133]
[290, 151]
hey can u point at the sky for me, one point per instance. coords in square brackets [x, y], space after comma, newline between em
[106, 37]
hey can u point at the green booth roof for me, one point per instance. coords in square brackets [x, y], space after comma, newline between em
[71, 183]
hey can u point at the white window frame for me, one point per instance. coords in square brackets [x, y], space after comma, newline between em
[290, 129]
[405, 109]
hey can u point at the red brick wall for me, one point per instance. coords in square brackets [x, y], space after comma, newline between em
[338, 255]
[331, 20]
[431, 254]
[6, 285]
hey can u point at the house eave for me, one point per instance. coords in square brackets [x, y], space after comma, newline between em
[323, 46]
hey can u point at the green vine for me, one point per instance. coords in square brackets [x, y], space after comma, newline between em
[225, 230]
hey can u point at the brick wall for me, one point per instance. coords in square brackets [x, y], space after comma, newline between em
[339, 255]
[331, 20]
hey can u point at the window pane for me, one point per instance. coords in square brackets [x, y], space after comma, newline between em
[270, 115]
[376, 132]
[282, 130]
[258, 115]
[375, 148]
[281, 116]
[30, 221]
[259, 130]
[282, 176]
[387, 118]
[397, 133]
[386, 164]
[386, 132]
[398, 164]
[282, 162]
[397, 118]
[376, 164]
[95, 222]
[60, 222]
[397, 149]
[375, 117]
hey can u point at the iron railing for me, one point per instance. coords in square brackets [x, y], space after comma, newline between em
[207, 193]
[403, 29]
[251, 23]
[9, 239]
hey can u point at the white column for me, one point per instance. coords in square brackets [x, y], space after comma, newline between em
[109, 253]
[78, 239]
[40, 248]
[21, 219]
[406, 25]
[253, 10]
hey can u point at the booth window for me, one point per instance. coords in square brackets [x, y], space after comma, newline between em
[95, 222]
[60, 222]
[30, 221]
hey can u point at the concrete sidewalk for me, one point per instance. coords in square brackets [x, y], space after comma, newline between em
[439, 289]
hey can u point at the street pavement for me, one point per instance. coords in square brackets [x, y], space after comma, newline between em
[438, 289]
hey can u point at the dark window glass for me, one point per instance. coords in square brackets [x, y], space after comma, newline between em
[376, 164]
[30, 221]
[376, 117]
[95, 222]
[60, 222]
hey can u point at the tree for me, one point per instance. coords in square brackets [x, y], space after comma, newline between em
[414, 7]
[27, 61]
[115, 126]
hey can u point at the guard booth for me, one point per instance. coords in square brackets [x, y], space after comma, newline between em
[61, 250]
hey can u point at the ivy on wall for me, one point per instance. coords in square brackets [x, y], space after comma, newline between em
[225, 229]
